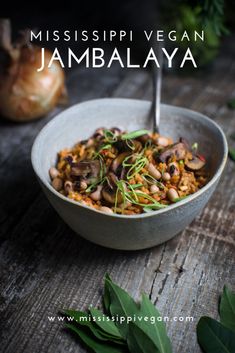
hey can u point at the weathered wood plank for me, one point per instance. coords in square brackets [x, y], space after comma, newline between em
[45, 266]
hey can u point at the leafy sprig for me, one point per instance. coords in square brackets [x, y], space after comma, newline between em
[106, 333]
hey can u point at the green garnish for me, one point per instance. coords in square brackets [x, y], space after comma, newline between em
[181, 162]
[105, 147]
[150, 208]
[231, 153]
[134, 134]
[152, 181]
[134, 168]
[130, 144]
[129, 194]
[109, 136]
[92, 186]
[136, 186]
[195, 146]
[177, 199]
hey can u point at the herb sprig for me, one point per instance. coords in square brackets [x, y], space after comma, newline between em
[104, 333]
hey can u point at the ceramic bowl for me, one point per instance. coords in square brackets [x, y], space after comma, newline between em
[117, 231]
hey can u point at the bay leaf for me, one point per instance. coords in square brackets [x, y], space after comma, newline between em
[106, 296]
[79, 319]
[105, 323]
[214, 337]
[96, 346]
[138, 341]
[121, 305]
[157, 330]
[227, 308]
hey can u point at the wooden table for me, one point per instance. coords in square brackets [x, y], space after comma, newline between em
[46, 267]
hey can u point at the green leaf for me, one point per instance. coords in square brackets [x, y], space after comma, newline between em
[106, 296]
[231, 103]
[122, 304]
[134, 134]
[227, 308]
[92, 343]
[138, 341]
[214, 337]
[231, 153]
[82, 319]
[106, 325]
[157, 330]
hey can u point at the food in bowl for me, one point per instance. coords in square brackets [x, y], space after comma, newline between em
[129, 173]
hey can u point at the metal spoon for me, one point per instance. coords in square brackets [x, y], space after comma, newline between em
[157, 86]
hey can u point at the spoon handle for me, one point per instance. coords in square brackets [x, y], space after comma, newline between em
[157, 86]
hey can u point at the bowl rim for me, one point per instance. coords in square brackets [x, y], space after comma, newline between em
[189, 198]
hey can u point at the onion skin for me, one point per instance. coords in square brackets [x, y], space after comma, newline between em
[25, 93]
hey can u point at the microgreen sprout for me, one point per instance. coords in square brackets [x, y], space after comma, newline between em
[109, 136]
[135, 167]
[129, 194]
[152, 181]
[130, 144]
[134, 134]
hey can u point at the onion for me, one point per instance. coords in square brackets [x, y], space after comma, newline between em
[25, 93]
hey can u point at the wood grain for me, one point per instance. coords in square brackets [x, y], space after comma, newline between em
[46, 267]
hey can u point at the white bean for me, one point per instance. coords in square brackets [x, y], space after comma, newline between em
[68, 186]
[154, 172]
[54, 173]
[57, 184]
[154, 188]
[166, 176]
[83, 185]
[106, 209]
[172, 194]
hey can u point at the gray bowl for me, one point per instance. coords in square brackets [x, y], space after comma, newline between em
[117, 231]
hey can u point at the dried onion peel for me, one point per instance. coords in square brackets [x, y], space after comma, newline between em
[25, 93]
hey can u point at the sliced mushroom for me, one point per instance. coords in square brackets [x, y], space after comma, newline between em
[112, 179]
[86, 168]
[118, 161]
[111, 195]
[143, 138]
[185, 142]
[178, 150]
[195, 164]
[124, 146]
